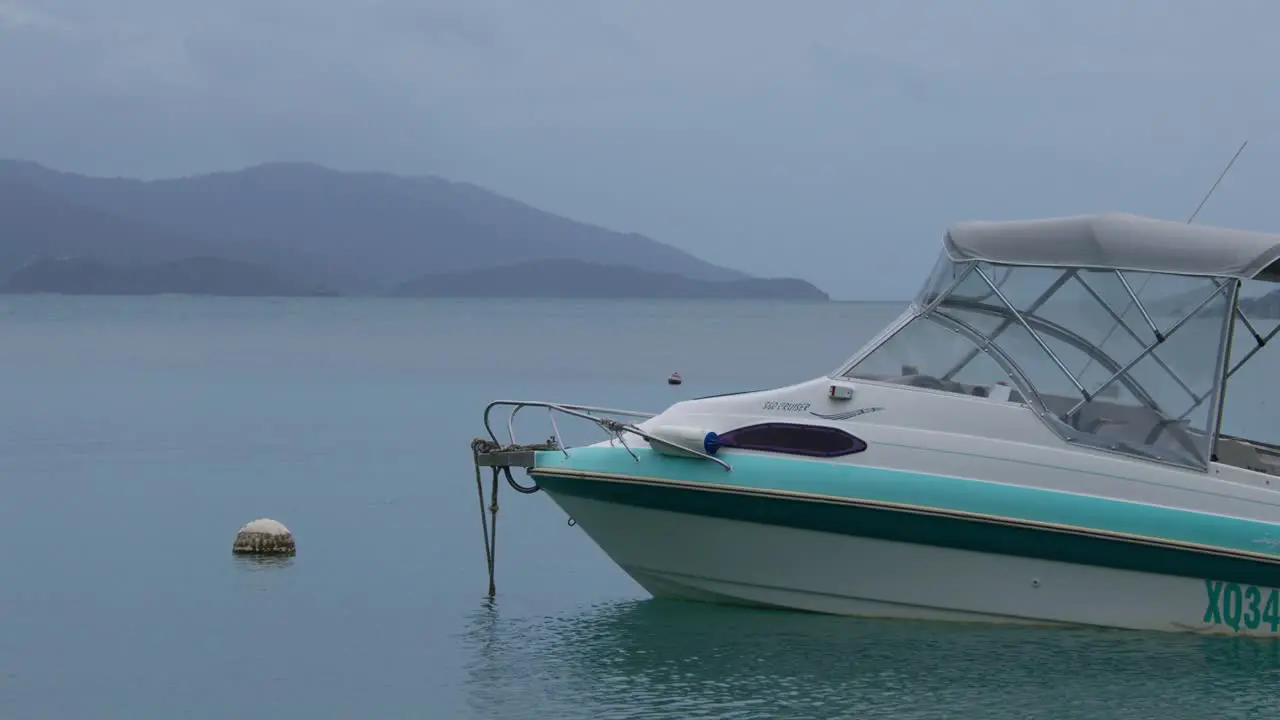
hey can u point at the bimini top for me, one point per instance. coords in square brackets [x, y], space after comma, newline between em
[1118, 241]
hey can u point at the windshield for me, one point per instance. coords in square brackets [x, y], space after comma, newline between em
[1248, 401]
[1125, 361]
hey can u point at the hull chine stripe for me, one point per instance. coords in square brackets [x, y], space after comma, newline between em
[918, 524]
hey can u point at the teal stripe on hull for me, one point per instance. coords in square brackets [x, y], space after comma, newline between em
[849, 509]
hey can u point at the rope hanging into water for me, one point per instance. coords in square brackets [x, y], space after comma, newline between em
[489, 514]
[490, 531]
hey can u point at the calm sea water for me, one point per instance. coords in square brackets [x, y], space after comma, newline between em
[137, 435]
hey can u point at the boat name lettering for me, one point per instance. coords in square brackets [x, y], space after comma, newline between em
[1236, 605]
[785, 406]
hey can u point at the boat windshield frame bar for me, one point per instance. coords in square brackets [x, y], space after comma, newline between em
[988, 347]
[1133, 333]
[1260, 341]
[1061, 333]
[1136, 302]
[1119, 372]
[932, 302]
[1220, 285]
[1248, 325]
[1009, 321]
[1035, 335]
[1226, 342]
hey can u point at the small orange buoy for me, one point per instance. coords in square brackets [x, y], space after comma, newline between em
[674, 379]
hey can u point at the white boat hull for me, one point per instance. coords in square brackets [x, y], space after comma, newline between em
[692, 557]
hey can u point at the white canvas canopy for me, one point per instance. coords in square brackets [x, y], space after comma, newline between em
[1118, 241]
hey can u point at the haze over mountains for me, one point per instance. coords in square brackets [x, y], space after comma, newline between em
[296, 228]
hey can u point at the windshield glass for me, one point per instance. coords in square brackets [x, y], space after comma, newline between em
[1248, 403]
[1126, 361]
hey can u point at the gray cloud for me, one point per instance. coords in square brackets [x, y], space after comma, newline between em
[826, 138]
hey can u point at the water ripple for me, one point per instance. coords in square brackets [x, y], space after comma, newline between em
[660, 659]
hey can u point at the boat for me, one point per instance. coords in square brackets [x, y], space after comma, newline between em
[1036, 440]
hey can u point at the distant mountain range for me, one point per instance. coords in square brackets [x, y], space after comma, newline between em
[1266, 305]
[578, 279]
[192, 276]
[302, 229]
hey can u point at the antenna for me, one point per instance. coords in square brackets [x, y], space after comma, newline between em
[1225, 170]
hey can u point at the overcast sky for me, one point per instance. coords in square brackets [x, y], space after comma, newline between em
[828, 139]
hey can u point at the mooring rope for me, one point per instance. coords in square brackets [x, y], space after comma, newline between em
[489, 520]
[484, 522]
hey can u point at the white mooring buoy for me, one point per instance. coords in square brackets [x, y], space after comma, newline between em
[264, 536]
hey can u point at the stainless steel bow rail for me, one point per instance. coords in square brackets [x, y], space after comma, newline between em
[500, 458]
